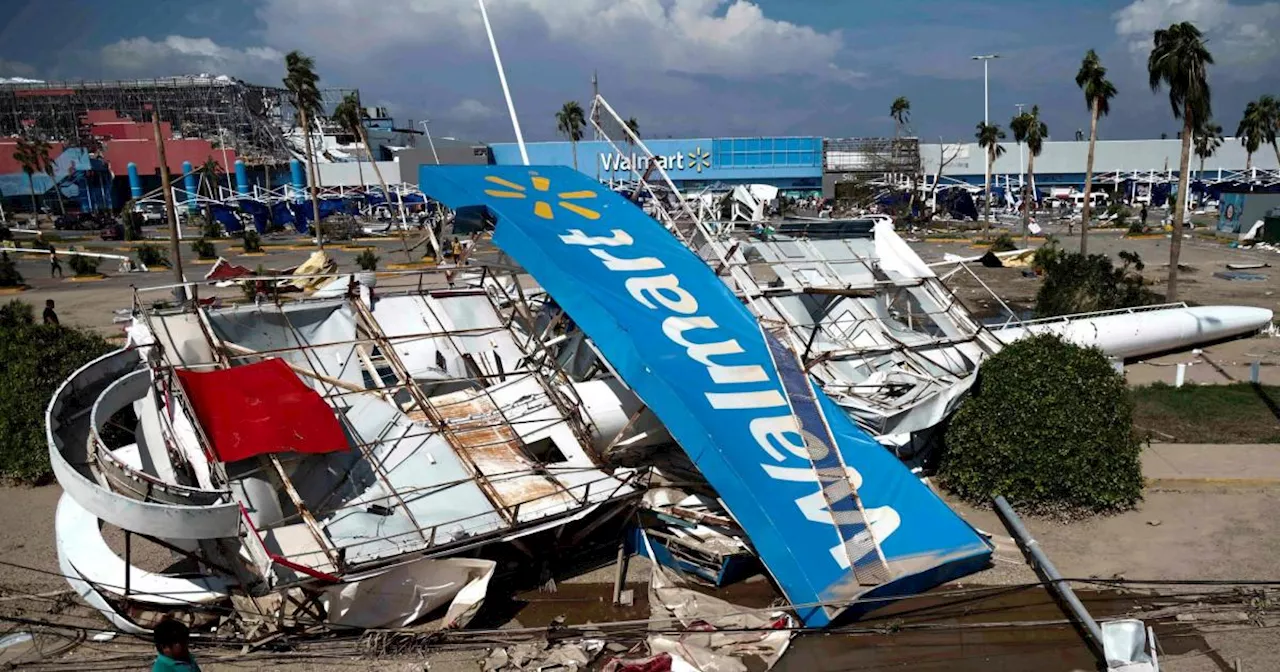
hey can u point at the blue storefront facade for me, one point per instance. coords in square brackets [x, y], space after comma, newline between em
[792, 164]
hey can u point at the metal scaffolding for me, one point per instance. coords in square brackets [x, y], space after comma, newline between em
[250, 117]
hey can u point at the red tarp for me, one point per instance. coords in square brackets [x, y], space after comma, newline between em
[262, 408]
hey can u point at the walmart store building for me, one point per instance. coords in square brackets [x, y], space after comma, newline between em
[792, 164]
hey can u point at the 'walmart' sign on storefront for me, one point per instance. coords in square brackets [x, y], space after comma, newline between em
[697, 160]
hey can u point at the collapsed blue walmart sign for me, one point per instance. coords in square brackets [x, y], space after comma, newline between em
[771, 443]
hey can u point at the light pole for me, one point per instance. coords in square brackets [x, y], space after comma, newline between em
[426, 127]
[986, 100]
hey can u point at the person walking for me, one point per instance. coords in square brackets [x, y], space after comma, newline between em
[1143, 215]
[50, 317]
[54, 265]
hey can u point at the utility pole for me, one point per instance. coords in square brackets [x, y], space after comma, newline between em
[175, 251]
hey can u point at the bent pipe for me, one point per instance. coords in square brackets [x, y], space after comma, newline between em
[124, 478]
[167, 521]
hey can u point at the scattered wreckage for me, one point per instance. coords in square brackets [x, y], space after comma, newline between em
[347, 459]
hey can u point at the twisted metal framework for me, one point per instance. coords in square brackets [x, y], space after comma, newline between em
[250, 117]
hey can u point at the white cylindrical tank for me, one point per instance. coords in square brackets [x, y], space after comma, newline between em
[1148, 332]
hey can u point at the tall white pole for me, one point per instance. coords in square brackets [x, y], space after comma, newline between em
[426, 126]
[1021, 159]
[986, 94]
[502, 77]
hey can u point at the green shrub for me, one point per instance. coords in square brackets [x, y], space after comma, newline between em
[9, 275]
[367, 260]
[1049, 426]
[82, 265]
[1003, 243]
[37, 359]
[204, 249]
[252, 241]
[152, 255]
[249, 286]
[338, 226]
[1136, 227]
[1076, 283]
[209, 227]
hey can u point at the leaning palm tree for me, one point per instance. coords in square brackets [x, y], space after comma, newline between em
[1252, 132]
[1027, 127]
[570, 121]
[1207, 141]
[1269, 115]
[304, 93]
[989, 137]
[25, 154]
[42, 148]
[900, 110]
[1179, 61]
[349, 116]
[1098, 92]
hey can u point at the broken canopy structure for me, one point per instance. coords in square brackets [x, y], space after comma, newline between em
[833, 516]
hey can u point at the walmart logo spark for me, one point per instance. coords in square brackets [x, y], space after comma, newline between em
[542, 203]
[699, 159]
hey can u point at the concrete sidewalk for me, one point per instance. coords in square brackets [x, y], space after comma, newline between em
[1173, 464]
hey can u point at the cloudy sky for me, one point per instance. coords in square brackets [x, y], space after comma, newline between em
[681, 67]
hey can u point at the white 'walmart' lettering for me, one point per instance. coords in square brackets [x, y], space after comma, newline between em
[770, 432]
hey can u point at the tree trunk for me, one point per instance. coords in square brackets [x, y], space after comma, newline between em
[360, 168]
[1087, 212]
[62, 207]
[574, 144]
[35, 206]
[311, 170]
[1180, 207]
[1276, 149]
[1248, 162]
[1026, 202]
[364, 138]
[986, 227]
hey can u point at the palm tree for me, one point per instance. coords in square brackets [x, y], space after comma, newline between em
[350, 117]
[1207, 141]
[42, 150]
[1098, 92]
[1269, 116]
[1252, 132]
[304, 93]
[569, 122]
[900, 110]
[1179, 60]
[989, 137]
[634, 127]
[209, 171]
[25, 154]
[1027, 127]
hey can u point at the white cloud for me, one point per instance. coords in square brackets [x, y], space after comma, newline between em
[726, 38]
[470, 109]
[1242, 38]
[176, 54]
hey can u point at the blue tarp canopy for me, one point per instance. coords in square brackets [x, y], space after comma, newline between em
[258, 210]
[735, 399]
[226, 216]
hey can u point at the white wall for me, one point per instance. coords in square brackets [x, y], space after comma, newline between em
[346, 174]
